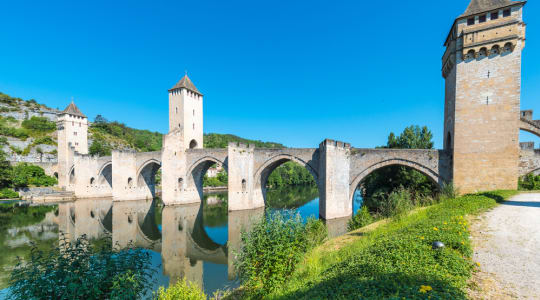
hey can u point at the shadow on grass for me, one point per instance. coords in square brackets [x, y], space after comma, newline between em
[351, 285]
[498, 198]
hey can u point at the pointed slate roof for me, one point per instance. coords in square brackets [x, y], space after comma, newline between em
[186, 83]
[72, 109]
[480, 6]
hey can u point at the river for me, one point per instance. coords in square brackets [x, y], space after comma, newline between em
[198, 241]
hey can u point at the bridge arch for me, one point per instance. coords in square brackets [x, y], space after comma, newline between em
[264, 171]
[105, 174]
[530, 126]
[146, 175]
[196, 172]
[432, 175]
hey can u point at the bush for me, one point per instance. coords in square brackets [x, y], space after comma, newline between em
[529, 182]
[448, 191]
[182, 290]
[361, 219]
[272, 249]
[7, 193]
[25, 174]
[39, 124]
[78, 270]
[100, 147]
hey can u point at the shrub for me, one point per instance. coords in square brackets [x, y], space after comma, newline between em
[529, 182]
[25, 174]
[39, 124]
[7, 193]
[448, 191]
[79, 270]
[361, 219]
[272, 249]
[182, 290]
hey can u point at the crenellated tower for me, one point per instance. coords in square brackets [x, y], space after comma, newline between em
[186, 112]
[482, 71]
[72, 126]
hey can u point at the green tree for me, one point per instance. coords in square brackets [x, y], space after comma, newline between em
[100, 147]
[378, 185]
[5, 167]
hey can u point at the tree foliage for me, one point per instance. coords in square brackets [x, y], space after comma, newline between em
[39, 124]
[214, 141]
[290, 174]
[142, 140]
[377, 186]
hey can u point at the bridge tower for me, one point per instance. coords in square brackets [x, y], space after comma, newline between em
[72, 126]
[186, 112]
[482, 71]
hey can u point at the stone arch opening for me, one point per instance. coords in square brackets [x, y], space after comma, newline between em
[193, 144]
[508, 47]
[148, 176]
[105, 175]
[385, 176]
[483, 52]
[295, 195]
[471, 54]
[55, 175]
[495, 50]
[72, 175]
[92, 181]
[198, 175]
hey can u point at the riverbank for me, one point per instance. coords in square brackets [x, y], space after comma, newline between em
[396, 259]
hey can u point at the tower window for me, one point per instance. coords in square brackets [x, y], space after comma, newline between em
[193, 112]
[506, 13]
[193, 125]
[75, 133]
[176, 109]
[482, 18]
[495, 15]
[470, 21]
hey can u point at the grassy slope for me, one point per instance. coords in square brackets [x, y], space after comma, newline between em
[395, 260]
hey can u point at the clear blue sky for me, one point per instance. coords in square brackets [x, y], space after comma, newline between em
[293, 72]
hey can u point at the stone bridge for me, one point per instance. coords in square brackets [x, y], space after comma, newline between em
[336, 167]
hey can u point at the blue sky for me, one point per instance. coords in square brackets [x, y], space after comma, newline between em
[293, 72]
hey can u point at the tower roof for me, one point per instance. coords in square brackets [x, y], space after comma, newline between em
[72, 109]
[186, 83]
[480, 6]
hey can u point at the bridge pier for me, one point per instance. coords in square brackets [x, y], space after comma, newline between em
[87, 182]
[334, 199]
[241, 178]
[177, 188]
[124, 177]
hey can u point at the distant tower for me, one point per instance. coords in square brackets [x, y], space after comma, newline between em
[482, 69]
[72, 127]
[186, 112]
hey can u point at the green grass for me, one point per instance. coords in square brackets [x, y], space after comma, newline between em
[396, 261]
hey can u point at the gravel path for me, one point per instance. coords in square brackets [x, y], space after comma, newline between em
[507, 246]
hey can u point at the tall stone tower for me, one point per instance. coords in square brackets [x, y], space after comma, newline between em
[72, 127]
[186, 112]
[482, 69]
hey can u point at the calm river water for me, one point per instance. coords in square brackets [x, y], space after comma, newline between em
[203, 253]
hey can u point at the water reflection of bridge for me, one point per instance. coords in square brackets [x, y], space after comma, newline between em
[183, 241]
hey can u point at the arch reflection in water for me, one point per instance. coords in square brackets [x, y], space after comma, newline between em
[177, 232]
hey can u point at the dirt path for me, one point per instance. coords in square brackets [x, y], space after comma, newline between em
[507, 246]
